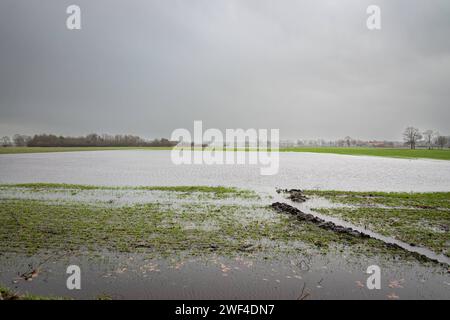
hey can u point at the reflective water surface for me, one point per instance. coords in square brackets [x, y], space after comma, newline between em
[294, 277]
[296, 170]
[310, 275]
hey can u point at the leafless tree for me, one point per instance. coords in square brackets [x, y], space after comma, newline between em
[21, 140]
[348, 141]
[6, 141]
[441, 141]
[340, 143]
[429, 137]
[411, 135]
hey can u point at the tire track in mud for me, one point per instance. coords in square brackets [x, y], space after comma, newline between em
[340, 226]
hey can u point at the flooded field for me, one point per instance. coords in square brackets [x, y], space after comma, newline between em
[299, 276]
[297, 170]
[152, 240]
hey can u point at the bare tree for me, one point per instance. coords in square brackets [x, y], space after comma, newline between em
[411, 135]
[441, 141]
[348, 141]
[429, 137]
[21, 140]
[6, 141]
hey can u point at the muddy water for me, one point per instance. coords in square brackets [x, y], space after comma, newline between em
[294, 277]
[306, 273]
[304, 170]
[312, 275]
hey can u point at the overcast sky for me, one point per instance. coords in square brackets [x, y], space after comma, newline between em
[146, 67]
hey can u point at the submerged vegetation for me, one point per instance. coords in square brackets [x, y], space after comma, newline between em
[162, 228]
[426, 200]
[217, 192]
[155, 229]
[421, 219]
[7, 294]
[31, 220]
[225, 229]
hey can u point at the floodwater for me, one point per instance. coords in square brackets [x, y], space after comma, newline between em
[296, 170]
[317, 203]
[315, 276]
[298, 276]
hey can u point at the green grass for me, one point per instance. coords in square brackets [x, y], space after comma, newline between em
[427, 200]
[422, 219]
[418, 227]
[198, 228]
[7, 294]
[378, 152]
[31, 226]
[217, 192]
[162, 230]
[356, 151]
[13, 150]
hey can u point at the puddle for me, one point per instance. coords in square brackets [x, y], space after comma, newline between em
[123, 197]
[304, 272]
[287, 277]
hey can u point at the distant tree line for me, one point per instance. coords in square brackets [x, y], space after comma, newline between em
[412, 138]
[91, 140]
[346, 142]
[428, 139]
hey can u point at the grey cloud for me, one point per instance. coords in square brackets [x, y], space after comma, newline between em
[310, 68]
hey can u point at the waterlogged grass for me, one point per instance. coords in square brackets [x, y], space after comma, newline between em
[421, 219]
[216, 192]
[429, 200]
[439, 154]
[378, 152]
[36, 225]
[164, 228]
[14, 150]
[30, 226]
[426, 228]
[7, 294]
